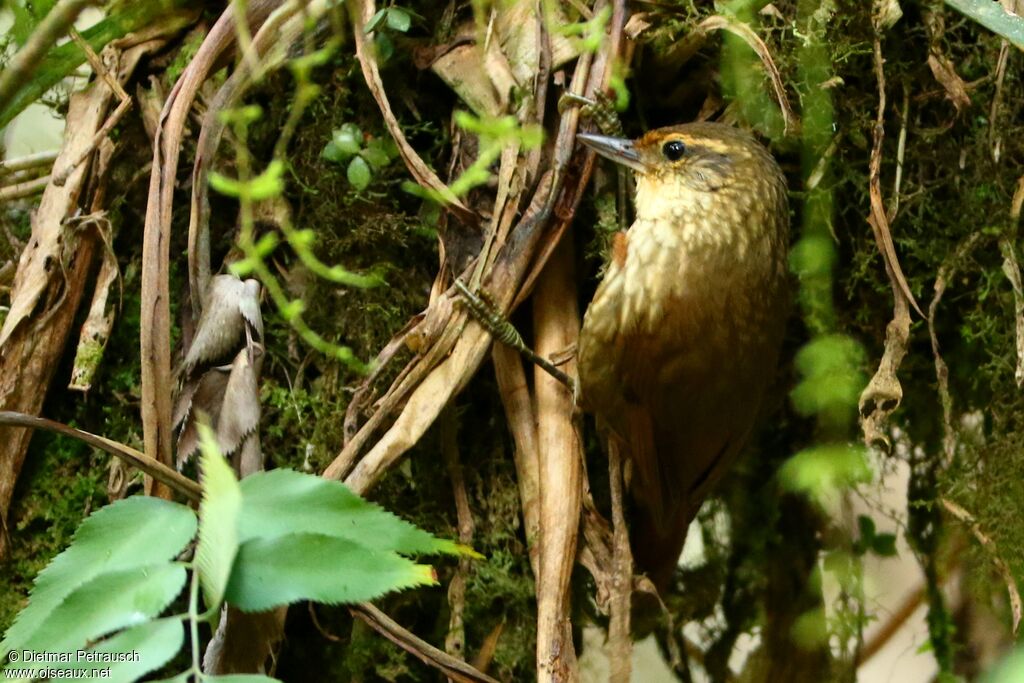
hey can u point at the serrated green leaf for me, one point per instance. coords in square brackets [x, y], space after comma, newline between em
[283, 502]
[218, 519]
[359, 174]
[280, 571]
[134, 532]
[398, 19]
[375, 20]
[144, 648]
[109, 602]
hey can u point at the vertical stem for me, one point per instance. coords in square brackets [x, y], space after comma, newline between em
[556, 324]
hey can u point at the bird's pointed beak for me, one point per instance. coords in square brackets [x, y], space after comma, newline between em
[619, 150]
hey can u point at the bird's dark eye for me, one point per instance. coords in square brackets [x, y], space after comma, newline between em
[673, 150]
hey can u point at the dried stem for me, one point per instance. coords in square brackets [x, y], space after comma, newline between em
[455, 669]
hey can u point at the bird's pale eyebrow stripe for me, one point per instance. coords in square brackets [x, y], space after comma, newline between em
[707, 147]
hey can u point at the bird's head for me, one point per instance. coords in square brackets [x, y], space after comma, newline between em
[704, 157]
[695, 163]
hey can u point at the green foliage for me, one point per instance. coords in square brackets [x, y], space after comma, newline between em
[268, 185]
[394, 18]
[347, 144]
[495, 134]
[831, 379]
[27, 16]
[128, 535]
[309, 566]
[590, 34]
[62, 60]
[119, 573]
[1011, 670]
[219, 514]
[282, 502]
[822, 472]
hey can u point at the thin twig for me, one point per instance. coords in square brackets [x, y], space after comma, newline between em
[455, 641]
[27, 162]
[997, 561]
[177, 481]
[878, 218]
[123, 105]
[899, 617]
[620, 645]
[25, 189]
[453, 668]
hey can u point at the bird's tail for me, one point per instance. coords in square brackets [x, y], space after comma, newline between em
[658, 542]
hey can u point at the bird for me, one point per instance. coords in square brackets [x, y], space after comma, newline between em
[682, 337]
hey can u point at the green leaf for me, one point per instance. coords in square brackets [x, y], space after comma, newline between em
[1010, 671]
[63, 59]
[831, 377]
[283, 502]
[884, 545]
[810, 630]
[142, 649]
[348, 140]
[398, 19]
[992, 16]
[376, 156]
[184, 677]
[866, 525]
[823, 471]
[240, 678]
[330, 152]
[359, 174]
[27, 16]
[131, 533]
[218, 519]
[385, 48]
[384, 144]
[266, 185]
[375, 20]
[280, 571]
[109, 602]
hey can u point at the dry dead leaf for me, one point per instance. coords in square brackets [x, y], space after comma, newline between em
[240, 411]
[231, 304]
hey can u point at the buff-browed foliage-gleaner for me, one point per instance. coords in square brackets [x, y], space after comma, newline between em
[683, 334]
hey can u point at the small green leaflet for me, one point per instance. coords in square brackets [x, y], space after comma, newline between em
[278, 571]
[218, 515]
[282, 502]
